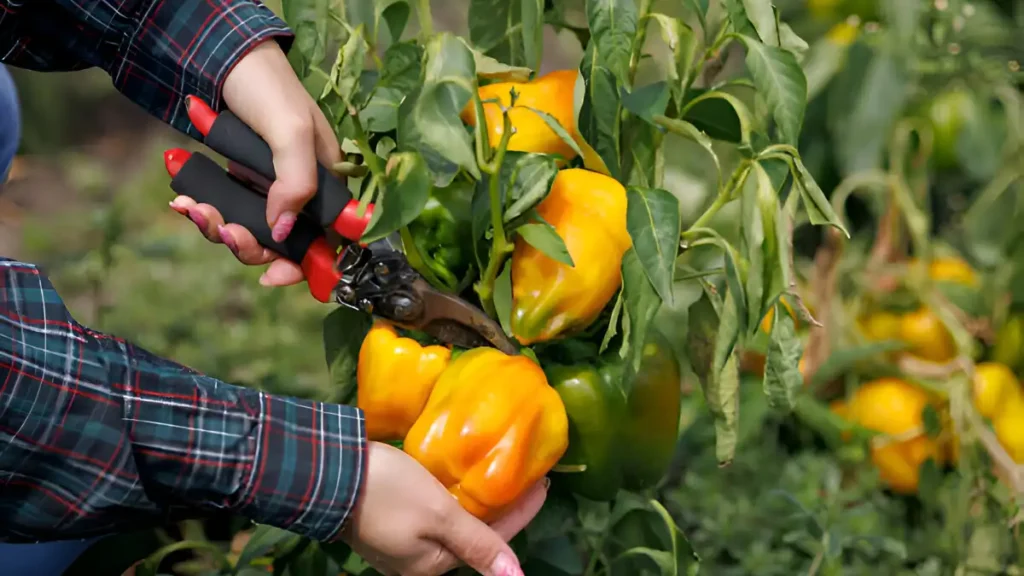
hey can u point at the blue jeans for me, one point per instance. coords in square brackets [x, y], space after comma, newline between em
[10, 122]
[48, 558]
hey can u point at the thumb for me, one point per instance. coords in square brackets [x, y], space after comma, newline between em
[476, 544]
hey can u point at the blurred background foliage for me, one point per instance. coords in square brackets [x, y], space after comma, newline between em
[88, 202]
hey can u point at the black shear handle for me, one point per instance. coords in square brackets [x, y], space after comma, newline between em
[332, 207]
[203, 180]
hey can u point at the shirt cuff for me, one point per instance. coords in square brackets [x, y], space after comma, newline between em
[187, 48]
[308, 467]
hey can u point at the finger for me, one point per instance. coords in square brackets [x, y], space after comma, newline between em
[476, 544]
[244, 246]
[522, 511]
[282, 273]
[205, 217]
[295, 165]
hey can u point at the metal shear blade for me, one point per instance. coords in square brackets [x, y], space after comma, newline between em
[451, 319]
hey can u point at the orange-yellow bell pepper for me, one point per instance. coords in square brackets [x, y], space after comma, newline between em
[551, 299]
[551, 93]
[394, 377]
[491, 429]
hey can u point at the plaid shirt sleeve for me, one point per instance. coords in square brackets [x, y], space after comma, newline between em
[99, 436]
[156, 51]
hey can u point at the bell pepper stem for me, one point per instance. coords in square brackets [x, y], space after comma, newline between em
[500, 246]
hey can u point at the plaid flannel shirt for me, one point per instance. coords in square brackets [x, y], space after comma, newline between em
[98, 435]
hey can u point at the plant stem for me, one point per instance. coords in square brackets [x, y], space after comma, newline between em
[363, 142]
[426, 20]
[724, 197]
[500, 246]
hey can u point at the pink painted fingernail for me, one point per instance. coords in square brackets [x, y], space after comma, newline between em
[505, 565]
[198, 219]
[179, 209]
[283, 226]
[228, 239]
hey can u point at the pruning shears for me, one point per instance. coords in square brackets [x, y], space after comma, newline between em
[325, 241]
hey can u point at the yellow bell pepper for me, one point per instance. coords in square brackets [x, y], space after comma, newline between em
[394, 377]
[551, 299]
[491, 429]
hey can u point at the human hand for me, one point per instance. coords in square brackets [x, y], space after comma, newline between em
[407, 524]
[264, 92]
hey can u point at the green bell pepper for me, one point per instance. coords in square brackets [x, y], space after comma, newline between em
[443, 234]
[626, 442]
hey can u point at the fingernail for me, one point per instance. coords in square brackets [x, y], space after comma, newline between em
[179, 209]
[283, 226]
[504, 565]
[198, 219]
[228, 239]
[264, 281]
[547, 482]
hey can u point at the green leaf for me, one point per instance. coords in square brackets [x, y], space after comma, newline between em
[613, 324]
[643, 163]
[348, 68]
[684, 45]
[738, 17]
[640, 303]
[647, 101]
[487, 67]
[782, 378]
[312, 560]
[449, 77]
[760, 209]
[531, 181]
[543, 237]
[503, 297]
[402, 67]
[711, 344]
[761, 14]
[652, 218]
[871, 101]
[781, 81]
[308, 20]
[599, 119]
[556, 127]
[263, 540]
[491, 28]
[682, 552]
[819, 209]
[612, 28]
[532, 12]
[344, 330]
[848, 358]
[406, 190]
[700, 8]
[720, 114]
[390, 19]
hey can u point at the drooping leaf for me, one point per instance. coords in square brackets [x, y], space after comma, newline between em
[652, 218]
[613, 323]
[543, 237]
[781, 81]
[449, 77]
[600, 115]
[406, 189]
[683, 554]
[688, 130]
[344, 330]
[761, 15]
[737, 14]
[819, 209]
[782, 378]
[640, 303]
[532, 12]
[491, 69]
[493, 26]
[612, 28]
[710, 344]
[390, 19]
[503, 298]
[760, 208]
[643, 161]
[557, 128]
[720, 114]
[531, 180]
[684, 45]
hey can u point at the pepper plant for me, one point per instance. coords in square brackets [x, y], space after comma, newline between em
[502, 212]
